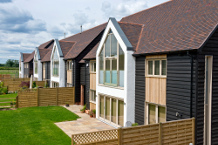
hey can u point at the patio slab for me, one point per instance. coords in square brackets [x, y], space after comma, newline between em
[84, 124]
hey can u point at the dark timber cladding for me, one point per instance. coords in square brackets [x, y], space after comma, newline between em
[87, 85]
[140, 90]
[180, 86]
[210, 48]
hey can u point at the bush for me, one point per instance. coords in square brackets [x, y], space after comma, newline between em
[135, 124]
[25, 85]
[4, 90]
[84, 108]
[34, 84]
[94, 111]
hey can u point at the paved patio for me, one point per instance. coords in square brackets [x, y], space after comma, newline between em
[84, 124]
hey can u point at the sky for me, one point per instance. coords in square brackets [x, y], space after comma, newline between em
[25, 24]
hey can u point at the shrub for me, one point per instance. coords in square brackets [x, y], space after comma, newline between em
[34, 84]
[84, 108]
[25, 85]
[4, 90]
[135, 124]
[94, 111]
[46, 85]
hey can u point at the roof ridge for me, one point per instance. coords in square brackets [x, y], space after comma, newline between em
[131, 23]
[140, 36]
[147, 9]
[84, 31]
[67, 41]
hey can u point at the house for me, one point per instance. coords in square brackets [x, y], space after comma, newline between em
[175, 65]
[26, 65]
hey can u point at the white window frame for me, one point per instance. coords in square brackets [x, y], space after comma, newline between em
[153, 68]
[117, 111]
[110, 58]
[92, 95]
[156, 112]
[69, 65]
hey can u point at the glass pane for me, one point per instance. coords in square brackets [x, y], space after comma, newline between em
[113, 45]
[161, 114]
[101, 63]
[107, 108]
[55, 54]
[157, 67]
[121, 67]
[113, 110]
[94, 65]
[114, 71]
[151, 116]
[94, 96]
[107, 46]
[120, 112]
[150, 67]
[107, 72]
[164, 66]
[102, 106]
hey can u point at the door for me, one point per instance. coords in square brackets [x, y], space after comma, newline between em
[207, 99]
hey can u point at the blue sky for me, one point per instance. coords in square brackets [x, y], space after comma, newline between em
[25, 24]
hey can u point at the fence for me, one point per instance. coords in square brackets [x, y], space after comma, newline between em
[173, 132]
[14, 83]
[40, 83]
[6, 76]
[45, 97]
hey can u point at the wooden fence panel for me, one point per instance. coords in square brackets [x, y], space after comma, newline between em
[177, 132]
[46, 97]
[40, 83]
[27, 98]
[13, 84]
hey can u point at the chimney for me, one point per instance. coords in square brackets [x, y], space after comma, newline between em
[64, 35]
[81, 28]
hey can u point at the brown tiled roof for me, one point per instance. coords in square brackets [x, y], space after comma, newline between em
[132, 32]
[66, 46]
[175, 25]
[82, 40]
[27, 57]
[47, 45]
[47, 57]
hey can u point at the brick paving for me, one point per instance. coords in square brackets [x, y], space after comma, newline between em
[84, 124]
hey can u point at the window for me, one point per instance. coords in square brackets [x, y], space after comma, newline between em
[92, 67]
[69, 65]
[156, 67]
[36, 64]
[111, 110]
[69, 85]
[92, 95]
[155, 113]
[55, 84]
[26, 65]
[55, 64]
[111, 62]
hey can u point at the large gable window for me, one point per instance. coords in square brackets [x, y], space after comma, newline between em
[111, 61]
[36, 64]
[55, 61]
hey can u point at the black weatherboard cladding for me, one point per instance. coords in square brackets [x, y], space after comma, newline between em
[180, 86]
[26, 70]
[82, 73]
[87, 85]
[210, 48]
[140, 90]
[30, 68]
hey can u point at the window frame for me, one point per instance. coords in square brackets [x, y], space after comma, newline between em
[117, 110]
[92, 95]
[53, 72]
[156, 112]
[153, 67]
[117, 85]
[92, 68]
[69, 65]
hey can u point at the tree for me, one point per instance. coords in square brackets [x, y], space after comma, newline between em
[12, 63]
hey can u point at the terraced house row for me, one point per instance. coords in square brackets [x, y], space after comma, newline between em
[157, 65]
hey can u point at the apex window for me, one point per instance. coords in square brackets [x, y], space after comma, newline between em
[55, 62]
[111, 61]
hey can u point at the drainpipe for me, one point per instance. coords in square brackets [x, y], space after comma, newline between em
[191, 83]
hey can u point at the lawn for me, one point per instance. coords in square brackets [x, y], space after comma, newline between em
[34, 126]
[8, 98]
[11, 71]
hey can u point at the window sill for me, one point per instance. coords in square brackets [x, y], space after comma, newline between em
[92, 102]
[152, 76]
[115, 87]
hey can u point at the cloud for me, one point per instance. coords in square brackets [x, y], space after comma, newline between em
[5, 1]
[123, 9]
[13, 19]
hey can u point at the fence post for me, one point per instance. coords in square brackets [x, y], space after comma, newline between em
[193, 131]
[57, 96]
[160, 133]
[120, 136]
[38, 96]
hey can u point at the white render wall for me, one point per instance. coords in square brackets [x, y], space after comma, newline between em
[21, 72]
[61, 77]
[128, 92]
[40, 70]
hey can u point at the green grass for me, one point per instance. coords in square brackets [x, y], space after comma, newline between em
[11, 71]
[34, 126]
[7, 96]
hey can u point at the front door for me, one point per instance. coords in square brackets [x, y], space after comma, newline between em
[207, 99]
